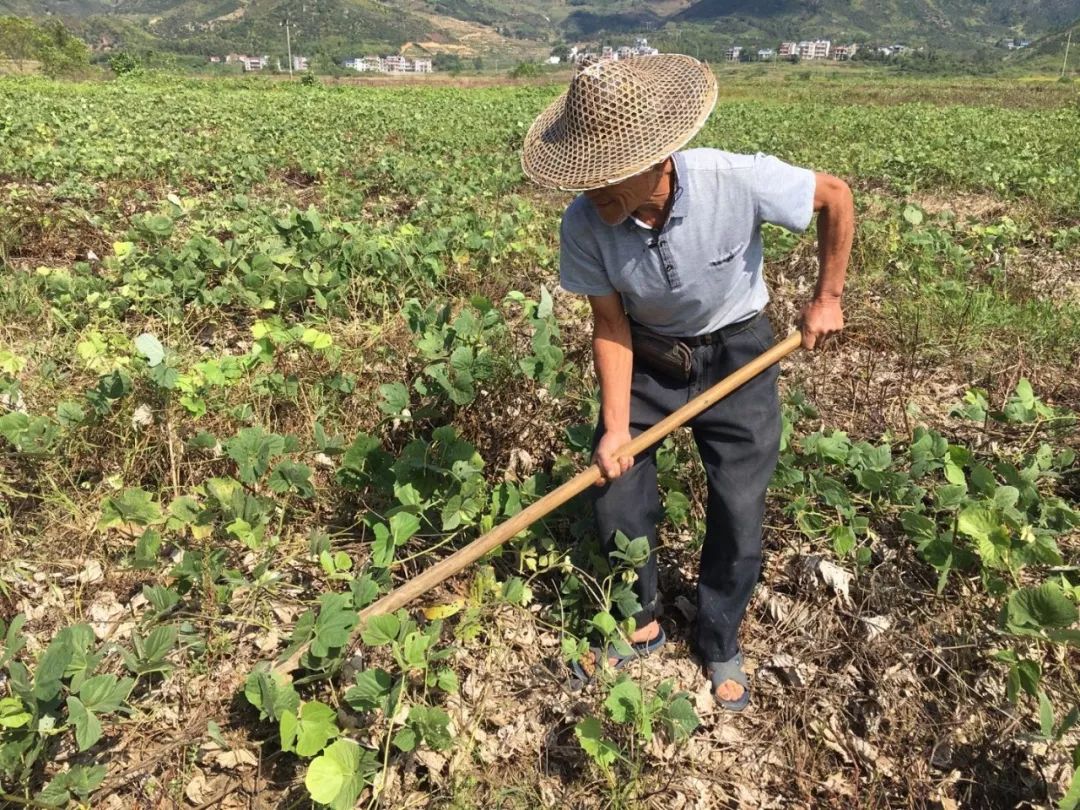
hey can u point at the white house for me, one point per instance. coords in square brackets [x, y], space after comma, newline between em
[366, 64]
[247, 62]
[734, 53]
[421, 66]
[766, 54]
[788, 49]
[814, 49]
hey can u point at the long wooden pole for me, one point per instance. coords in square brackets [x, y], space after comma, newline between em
[462, 558]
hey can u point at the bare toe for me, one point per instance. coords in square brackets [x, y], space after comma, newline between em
[729, 691]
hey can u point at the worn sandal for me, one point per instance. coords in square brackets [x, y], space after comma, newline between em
[638, 649]
[732, 670]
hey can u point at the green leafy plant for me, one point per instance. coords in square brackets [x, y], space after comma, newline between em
[61, 693]
[636, 715]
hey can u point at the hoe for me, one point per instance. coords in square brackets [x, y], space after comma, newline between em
[429, 578]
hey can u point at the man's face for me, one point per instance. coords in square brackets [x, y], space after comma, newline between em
[616, 202]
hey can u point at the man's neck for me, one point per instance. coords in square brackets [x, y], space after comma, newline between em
[654, 212]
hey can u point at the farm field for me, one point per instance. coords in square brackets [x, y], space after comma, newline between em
[268, 350]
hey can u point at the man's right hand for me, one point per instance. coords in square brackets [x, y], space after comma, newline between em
[604, 456]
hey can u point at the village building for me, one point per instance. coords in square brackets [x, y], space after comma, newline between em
[388, 64]
[248, 63]
[642, 48]
[734, 53]
[366, 64]
[814, 49]
[610, 54]
[893, 50]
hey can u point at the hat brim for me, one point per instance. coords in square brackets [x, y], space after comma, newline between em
[683, 93]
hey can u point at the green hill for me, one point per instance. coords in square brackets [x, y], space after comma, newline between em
[704, 27]
[951, 23]
[1048, 52]
[64, 8]
[1053, 44]
[219, 26]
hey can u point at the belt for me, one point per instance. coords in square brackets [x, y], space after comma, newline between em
[721, 334]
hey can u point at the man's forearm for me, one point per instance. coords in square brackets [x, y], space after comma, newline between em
[836, 231]
[614, 359]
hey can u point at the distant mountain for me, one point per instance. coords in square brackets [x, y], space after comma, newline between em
[941, 22]
[1049, 51]
[696, 26]
[40, 8]
[217, 26]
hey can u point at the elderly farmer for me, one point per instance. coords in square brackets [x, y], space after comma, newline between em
[667, 246]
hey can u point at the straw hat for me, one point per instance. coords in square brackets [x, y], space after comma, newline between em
[617, 119]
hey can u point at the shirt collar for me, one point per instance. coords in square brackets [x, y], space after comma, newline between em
[680, 203]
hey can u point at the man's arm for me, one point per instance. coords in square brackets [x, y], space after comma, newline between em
[836, 230]
[613, 356]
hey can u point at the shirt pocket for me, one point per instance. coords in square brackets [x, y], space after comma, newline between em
[726, 255]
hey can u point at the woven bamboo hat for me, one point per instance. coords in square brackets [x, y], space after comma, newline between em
[617, 119]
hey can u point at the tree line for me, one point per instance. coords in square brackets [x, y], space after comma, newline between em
[49, 44]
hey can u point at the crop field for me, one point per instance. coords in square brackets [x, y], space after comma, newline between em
[269, 350]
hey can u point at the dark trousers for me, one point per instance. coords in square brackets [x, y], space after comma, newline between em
[738, 439]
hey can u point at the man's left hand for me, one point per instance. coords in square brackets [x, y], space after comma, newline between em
[819, 319]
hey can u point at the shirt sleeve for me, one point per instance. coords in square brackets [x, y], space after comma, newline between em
[580, 269]
[783, 194]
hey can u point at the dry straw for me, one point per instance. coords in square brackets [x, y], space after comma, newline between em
[617, 119]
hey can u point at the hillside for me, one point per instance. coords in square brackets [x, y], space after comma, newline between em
[1047, 53]
[218, 26]
[1053, 44]
[704, 27]
[968, 22]
[68, 8]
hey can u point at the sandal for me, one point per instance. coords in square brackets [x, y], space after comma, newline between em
[732, 670]
[638, 649]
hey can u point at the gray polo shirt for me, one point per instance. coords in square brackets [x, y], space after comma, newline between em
[703, 269]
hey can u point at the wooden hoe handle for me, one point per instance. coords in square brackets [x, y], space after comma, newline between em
[462, 558]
